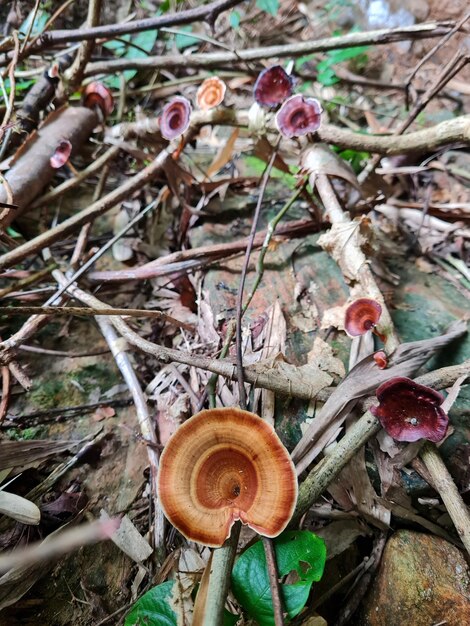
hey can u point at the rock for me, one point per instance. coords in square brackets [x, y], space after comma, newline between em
[422, 580]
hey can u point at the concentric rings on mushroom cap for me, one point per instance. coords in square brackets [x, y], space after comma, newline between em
[361, 316]
[224, 465]
[210, 93]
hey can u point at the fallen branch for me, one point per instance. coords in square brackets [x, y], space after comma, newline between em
[216, 59]
[207, 12]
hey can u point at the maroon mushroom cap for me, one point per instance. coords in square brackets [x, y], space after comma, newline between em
[96, 94]
[299, 116]
[175, 118]
[273, 86]
[361, 315]
[409, 411]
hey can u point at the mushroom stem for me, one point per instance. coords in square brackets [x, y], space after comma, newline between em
[219, 579]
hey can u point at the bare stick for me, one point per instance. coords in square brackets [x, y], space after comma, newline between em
[273, 581]
[86, 215]
[219, 580]
[239, 313]
[74, 75]
[216, 59]
[95, 166]
[80, 310]
[448, 491]
[207, 12]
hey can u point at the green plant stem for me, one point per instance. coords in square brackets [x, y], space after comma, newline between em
[330, 466]
[264, 248]
[219, 580]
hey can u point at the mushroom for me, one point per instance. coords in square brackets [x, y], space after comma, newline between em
[224, 465]
[273, 86]
[299, 116]
[61, 154]
[175, 118]
[96, 94]
[380, 359]
[409, 411]
[210, 93]
[361, 316]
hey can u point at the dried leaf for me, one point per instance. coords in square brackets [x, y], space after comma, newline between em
[320, 159]
[25, 453]
[128, 539]
[224, 155]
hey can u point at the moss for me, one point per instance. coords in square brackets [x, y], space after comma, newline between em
[26, 434]
[73, 388]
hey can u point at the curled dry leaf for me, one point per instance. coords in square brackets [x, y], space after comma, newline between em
[319, 159]
[61, 154]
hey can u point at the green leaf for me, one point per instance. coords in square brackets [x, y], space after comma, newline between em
[296, 551]
[184, 41]
[136, 47]
[39, 23]
[234, 19]
[153, 608]
[270, 6]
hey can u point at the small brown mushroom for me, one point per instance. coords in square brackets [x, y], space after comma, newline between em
[210, 93]
[224, 465]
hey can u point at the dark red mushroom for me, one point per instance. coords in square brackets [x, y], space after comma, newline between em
[273, 86]
[380, 359]
[299, 116]
[175, 118]
[61, 154]
[361, 316]
[97, 95]
[409, 411]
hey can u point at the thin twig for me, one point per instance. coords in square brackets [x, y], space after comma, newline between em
[207, 12]
[217, 59]
[273, 581]
[80, 310]
[239, 312]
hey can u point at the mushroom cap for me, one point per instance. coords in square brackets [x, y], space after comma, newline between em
[61, 154]
[175, 117]
[273, 86]
[361, 315]
[381, 359]
[96, 94]
[211, 93]
[299, 116]
[409, 411]
[224, 465]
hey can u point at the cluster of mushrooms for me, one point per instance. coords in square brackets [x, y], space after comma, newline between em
[296, 116]
[223, 465]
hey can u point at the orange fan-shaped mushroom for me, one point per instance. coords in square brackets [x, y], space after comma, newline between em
[210, 93]
[224, 465]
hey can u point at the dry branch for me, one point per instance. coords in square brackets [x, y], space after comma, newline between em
[31, 170]
[216, 59]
